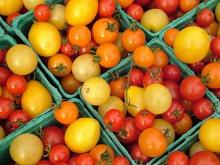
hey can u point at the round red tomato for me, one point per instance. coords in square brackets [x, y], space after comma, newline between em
[205, 17]
[204, 158]
[67, 49]
[215, 46]
[142, 2]
[106, 8]
[135, 11]
[2, 55]
[197, 67]
[183, 125]
[174, 89]
[85, 159]
[192, 88]
[59, 153]
[178, 158]
[137, 155]
[42, 13]
[44, 162]
[153, 74]
[144, 119]
[120, 160]
[172, 72]
[187, 105]
[4, 75]
[6, 107]
[169, 6]
[16, 85]
[11, 17]
[73, 161]
[136, 77]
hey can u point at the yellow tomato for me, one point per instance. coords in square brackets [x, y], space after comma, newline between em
[8, 7]
[218, 32]
[196, 147]
[57, 16]
[209, 135]
[112, 103]
[36, 99]
[157, 98]
[82, 135]
[81, 12]
[21, 59]
[134, 100]
[217, 12]
[95, 91]
[44, 38]
[191, 44]
[31, 4]
[2, 133]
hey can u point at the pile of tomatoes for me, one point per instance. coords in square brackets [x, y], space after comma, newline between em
[65, 144]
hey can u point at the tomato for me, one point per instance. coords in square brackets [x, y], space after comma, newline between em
[125, 3]
[129, 132]
[88, 48]
[73, 161]
[212, 29]
[136, 77]
[2, 55]
[166, 128]
[132, 38]
[204, 158]
[137, 155]
[11, 17]
[106, 8]
[78, 12]
[21, 59]
[22, 150]
[157, 98]
[178, 157]
[198, 66]
[173, 87]
[59, 153]
[217, 92]
[4, 75]
[31, 4]
[153, 74]
[196, 147]
[6, 94]
[105, 30]
[70, 84]
[187, 5]
[35, 99]
[135, 11]
[183, 125]
[2, 133]
[215, 46]
[44, 162]
[217, 13]
[205, 17]
[172, 72]
[120, 160]
[169, 6]
[85, 159]
[42, 13]
[84, 67]
[67, 49]
[144, 119]
[192, 88]
[17, 118]
[154, 20]
[202, 108]
[170, 35]
[16, 84]
[75, 138]
[196, 52]
[91, 91]
[79, 35]
[9, 7]
[142, 2]
[6, 107]
[118, 87]
[161, 58]
[152, 142]
[43, 34]
[108, 55]
[208, 135]
[52, 135]
[143, 57]
[103, 154]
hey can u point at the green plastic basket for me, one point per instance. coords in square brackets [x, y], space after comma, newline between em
[1, 31]
[122, 70]
[45, 120]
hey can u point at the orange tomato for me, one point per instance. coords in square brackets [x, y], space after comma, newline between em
[105, 30]
[60, 65]
[143, 57]
[187, 5]
[79, 35]
[132, 38]
[125, 3]
[108, 55]
[118, 87]
[183, 125]
[161, 58]
[70, 84]
[212, 29]
[103, 154]
[66, 113]
[152, 142]
[170, 35]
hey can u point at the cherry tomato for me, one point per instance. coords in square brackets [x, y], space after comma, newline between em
[2, 55]
[205, 17]
[135, 11]
[187, 105]
[44, 162]
[125, 3]
[172, 72]
[67, 49]
[6, 107]
[16, 85]
[118, 87]
[183, 125]
[153, 74]
[170, 35]
[70, 84]
[161, 58]
[120, 160]
[217, 92]
[85, 159]
[42, 13]
[198, 66]
[59, 153]
[106, 8]
[4, 75]
[174, 89]
[88, 48]
[137, 155]
[169, 6]
[178, 158]
[11, 17]
[204, 158]
[136, 77]
[144, 119]
[215, 46]
[187, 5]
[73, 161]
[142, 2]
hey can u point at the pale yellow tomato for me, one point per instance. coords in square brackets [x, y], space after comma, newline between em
[44, 38]
[31, 4]
[196, 147]
[8, 7]
[217, 12]
[57, 16]
[2, 133]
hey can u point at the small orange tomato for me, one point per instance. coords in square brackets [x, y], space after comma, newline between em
[66, 113]
[187, 5]
[60, 65]
[143, 57]
[108, 55]
[161, 59]
[79, 35]
[70, 84]
[125, 3]
[183, 125]
[170, 35]
[118, 87]
[212, 29]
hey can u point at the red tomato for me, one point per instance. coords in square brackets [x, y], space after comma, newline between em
[204, 158]
[114, 120]
[136, 77]
[197, 67]
[44, 162]
[4, 75]
[175, 113]
[60, 163]
[217, 92]
[42, 13]
[187, 5]
[178, 158]
[73, 161]
[52, 135]
[129, 133]
[120, 160]
[135, 11]
[187, 105]
[6, 107]
[137, 155]
[169, 6]
[106, 8]
[153, 74]
[205, 17]
[202, 108]
[172, 72]
[192, 88]
[11, 17]
[59, 153]
[215, 46]
[142, 2]
[2, 55]
[67, 49]
[85, 159]
[183, 125]
[174, 89]
[88, 48]
[144, 119]
[16, 85]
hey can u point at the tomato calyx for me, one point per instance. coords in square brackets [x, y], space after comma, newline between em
[205, 79]
[176, 113]
[123, 133]
[106, 156]
[111, 27]
[133, 27]
[60, 68]
[47, 150]
[166, 132]
[155, 73]
[96, 59]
